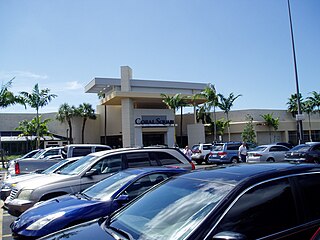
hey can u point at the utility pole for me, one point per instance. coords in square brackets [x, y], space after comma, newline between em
[299, 116]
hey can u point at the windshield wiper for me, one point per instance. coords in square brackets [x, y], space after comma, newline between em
[111, 230]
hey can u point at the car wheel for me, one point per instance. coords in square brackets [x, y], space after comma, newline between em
[271, 160]
[198, 162]
[234, 160]
[206, 159]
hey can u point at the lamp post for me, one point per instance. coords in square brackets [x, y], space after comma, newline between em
[299, 116]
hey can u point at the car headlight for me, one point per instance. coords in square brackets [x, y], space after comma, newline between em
[44, 221]
[25, 194]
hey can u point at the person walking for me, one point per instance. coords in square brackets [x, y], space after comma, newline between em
[242, 152]
[187, 151]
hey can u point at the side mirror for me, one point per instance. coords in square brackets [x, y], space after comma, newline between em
[122, 199]
[229, 236]
[90, 172]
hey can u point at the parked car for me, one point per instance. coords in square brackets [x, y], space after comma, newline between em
[243, 201]
[89, 170]
[97, 201]
[267, 153]
[8, 184]
[224, 153]
[50, 156]
[77, 150]
[200, 152]
[308, 152]
[40, 160]
[286, 144]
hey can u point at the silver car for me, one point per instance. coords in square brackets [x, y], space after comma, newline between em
[267, 153]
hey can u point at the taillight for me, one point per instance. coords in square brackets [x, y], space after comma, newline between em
[17, 168]
[193, 167]
[257, 155]
[222, 154]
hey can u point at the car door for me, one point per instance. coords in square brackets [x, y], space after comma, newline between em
[101, 169]
[266, 211]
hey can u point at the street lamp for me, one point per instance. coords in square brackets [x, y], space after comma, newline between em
[299, 116]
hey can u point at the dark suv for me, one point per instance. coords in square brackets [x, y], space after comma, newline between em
[308, 152]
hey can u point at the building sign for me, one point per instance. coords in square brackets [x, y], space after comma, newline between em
[151, 121]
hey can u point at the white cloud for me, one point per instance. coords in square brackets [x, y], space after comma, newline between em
[74, 85]
[5, 76]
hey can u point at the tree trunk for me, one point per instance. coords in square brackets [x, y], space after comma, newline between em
[181, 128]
[83, 126]
[70, 132]
[310, 135]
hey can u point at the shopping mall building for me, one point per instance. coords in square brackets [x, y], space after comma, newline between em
[132, 113]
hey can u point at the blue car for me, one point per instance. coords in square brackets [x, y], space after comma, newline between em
[97, 201]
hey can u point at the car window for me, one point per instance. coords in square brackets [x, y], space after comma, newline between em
[282, 149]
[259, 149]
[301, 148]
[166, 158]
[274, 149]
[143, 184]
[265, 209]
[108, 164]
[233, 146]
[78, 166]
[138, 159]
[81, 151]
[308, 184]
[316, 148]
[217, 147]
[206, 147]
[98, 149]
[51, 152]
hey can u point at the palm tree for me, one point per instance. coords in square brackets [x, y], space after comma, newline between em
[173, 102]
[7, 98]
[315, 100]
[85, 111]
[225, 105]
[270, 122]
[65, 114]
[212, 100]
[38, 99]
[308, 107]
[29, 128]
[293, 105]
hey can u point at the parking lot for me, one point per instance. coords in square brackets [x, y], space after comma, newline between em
[6, 219]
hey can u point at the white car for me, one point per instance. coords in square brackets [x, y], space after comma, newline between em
[267, 153]
[200, 152]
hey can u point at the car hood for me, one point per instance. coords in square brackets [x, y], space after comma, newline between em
[44, 180]
[75, 209]
[24, 177]
[88, 230]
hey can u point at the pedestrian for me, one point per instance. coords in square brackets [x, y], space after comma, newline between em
[242, 152]
[187, 151]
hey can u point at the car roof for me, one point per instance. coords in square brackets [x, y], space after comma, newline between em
[150, 149]
[234, 174]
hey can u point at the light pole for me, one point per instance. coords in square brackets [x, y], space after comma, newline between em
[299, 116]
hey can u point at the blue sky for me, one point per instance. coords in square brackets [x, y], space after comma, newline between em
[240, 46]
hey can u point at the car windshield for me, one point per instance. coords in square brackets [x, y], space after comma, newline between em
[77, 167]
[159, 215]
[259, 149]
[54, 167]
[106, 188]
[38, 154]
[301, 148]
[217, 147]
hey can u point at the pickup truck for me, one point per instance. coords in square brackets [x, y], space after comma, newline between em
[50, 156]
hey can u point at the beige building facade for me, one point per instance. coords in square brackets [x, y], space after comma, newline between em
[132, 113]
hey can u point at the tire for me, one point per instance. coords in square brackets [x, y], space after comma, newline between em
[206, 159]
[270, 160]
[199, 162]
[234, 160]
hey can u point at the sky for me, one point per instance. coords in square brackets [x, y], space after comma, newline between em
[241, 46]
